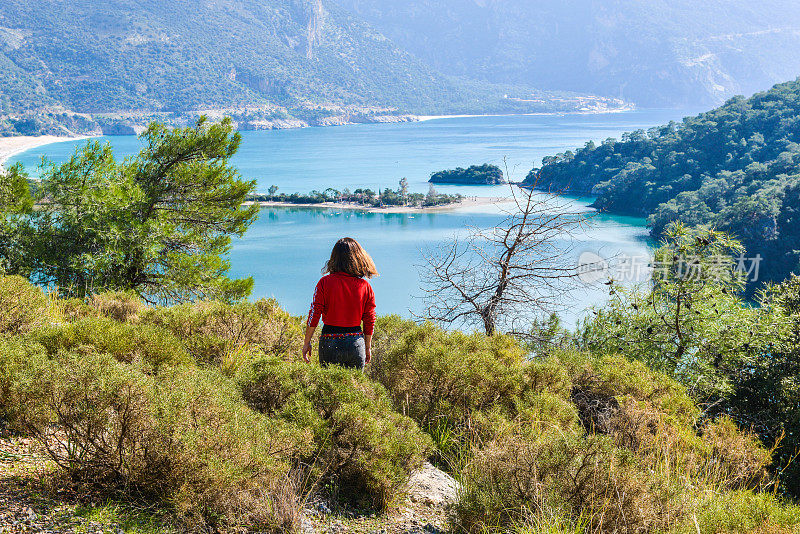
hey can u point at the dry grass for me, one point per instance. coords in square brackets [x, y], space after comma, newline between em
[120, 306]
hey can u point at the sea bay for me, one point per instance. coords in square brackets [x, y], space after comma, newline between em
[285, 248]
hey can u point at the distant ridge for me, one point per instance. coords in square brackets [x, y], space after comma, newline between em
[655, 53]
[81, 66]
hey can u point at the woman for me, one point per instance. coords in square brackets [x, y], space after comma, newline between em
[344, 299]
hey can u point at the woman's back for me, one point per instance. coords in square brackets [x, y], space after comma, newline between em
[343, 300]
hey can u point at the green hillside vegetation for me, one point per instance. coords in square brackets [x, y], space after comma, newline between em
[260, 60]
[736, 168]
[485, 174]
[214, 421]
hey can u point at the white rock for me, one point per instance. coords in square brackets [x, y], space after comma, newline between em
[432, 486]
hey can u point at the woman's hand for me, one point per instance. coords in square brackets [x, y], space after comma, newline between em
[368, 348]
[307, 344]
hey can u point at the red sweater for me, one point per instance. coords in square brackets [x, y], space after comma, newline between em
[343, 300]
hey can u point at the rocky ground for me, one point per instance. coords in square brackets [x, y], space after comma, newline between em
[430, 493]
[23, 505]
[28, 504]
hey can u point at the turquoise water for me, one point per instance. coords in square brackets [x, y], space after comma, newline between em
[285, 248]
[378, 155]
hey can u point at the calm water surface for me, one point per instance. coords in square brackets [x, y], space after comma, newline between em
[285, 248]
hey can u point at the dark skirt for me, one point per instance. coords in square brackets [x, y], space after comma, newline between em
[347, 350]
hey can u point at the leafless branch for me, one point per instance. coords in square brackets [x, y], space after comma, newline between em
[520, 269]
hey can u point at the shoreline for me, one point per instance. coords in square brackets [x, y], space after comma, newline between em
[425, 118]
[12, 146]
[468, 202]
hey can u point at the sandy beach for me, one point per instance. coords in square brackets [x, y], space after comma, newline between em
[11, 146]
[466, 203]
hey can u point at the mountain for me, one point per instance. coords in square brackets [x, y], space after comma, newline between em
[656, 53]
[736, 168]
[267, 60]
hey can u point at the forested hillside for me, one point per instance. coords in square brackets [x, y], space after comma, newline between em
[652, 52]
[265, 60]
[736, 167]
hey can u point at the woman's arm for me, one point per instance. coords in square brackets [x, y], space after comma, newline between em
[307, 343]
[317, 308]
[368, 318]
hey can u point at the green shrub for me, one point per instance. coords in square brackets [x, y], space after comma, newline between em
[738, 456]
[619, 376]
[601, 442]
[549, 374]
[128, 343]
[22, 305]
[230, 465]
[183, 438]
[16, 358]
[362, 448]
[529, 469]
[438, 377]
[69, 310]
[389, 331]
[741, 511]
[89, 410]
[585, 483]
[224, 334]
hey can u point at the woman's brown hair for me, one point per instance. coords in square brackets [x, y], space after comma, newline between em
[350, 258]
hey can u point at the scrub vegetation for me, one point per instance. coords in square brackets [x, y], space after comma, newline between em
[204, 411]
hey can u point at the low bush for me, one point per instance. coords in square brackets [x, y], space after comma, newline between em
[22, 305]
[231, 465]
[442, 378]
[225, 335]
[571, 442]
[619, 376]
[611, 446]
[69, 310]
[17, 357]
[363, 450]
[653, 416]
[128, 343]
[389, 331]
[89, 410]
[737, 456]
[183, 438]
[531, 469]
[741, 511]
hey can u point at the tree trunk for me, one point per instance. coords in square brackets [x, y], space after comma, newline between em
[488, 321]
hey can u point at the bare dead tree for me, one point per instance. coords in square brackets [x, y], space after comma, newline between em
[502, 277]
